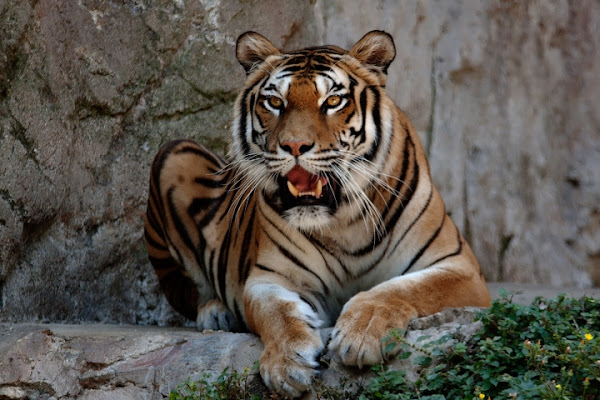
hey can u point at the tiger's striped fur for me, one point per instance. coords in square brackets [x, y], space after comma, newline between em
[325, 215]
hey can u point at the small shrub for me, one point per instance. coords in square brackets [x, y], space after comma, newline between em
[228, 385]
[548, 350]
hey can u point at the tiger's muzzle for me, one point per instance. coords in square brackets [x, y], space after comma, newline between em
[301, 188]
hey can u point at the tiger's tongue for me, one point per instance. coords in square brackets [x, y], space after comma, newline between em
[303, 180]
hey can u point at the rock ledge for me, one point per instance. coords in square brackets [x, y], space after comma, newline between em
[132, 362]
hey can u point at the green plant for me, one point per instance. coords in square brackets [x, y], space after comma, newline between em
[228, 385]
[548, 350]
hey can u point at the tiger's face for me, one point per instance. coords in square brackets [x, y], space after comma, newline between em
[311, 129]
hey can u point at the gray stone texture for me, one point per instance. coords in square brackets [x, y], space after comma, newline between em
[125, 362]
[505, 95]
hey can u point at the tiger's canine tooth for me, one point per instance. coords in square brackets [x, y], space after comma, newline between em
[319, 189]
[292, 189]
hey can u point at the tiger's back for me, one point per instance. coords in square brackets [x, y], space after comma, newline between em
[325, 214]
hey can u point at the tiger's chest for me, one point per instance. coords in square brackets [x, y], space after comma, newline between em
[330, 267]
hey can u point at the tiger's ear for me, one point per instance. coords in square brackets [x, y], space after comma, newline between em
[252, 49]
[375, 48]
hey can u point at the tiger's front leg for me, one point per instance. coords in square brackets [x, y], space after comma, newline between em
[368, 317]
[287, 327]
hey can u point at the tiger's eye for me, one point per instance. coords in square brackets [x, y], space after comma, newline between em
[275, 102]
[333, 101]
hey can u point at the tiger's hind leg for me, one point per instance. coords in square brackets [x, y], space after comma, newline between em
[185, 189]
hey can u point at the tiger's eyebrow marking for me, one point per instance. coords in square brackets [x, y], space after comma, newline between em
[337, 86]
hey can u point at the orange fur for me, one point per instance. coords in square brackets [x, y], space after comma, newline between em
[366, 247]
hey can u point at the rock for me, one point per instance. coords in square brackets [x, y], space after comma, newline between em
[110, 362]
[505, 96]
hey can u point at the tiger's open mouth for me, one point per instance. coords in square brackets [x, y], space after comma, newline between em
[301, 188]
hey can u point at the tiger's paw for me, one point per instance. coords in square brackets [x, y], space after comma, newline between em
[214, 315]
[358, 336]
[289, 366]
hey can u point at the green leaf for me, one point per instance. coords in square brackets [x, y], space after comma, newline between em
[423, 361]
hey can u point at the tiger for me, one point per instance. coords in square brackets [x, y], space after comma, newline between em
[324, 214]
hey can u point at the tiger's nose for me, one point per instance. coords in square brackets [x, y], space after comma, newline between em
[296, 148]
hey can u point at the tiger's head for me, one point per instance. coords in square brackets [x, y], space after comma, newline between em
[312, 128]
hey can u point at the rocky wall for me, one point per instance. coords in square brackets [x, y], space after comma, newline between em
[88, 92]
[505, 95]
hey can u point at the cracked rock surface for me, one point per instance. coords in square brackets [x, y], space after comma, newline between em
[108, 361]
[128, 362]
[505, 95]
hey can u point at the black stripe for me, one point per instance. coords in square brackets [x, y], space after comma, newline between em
[266, 269]
[244, 254]
[162, 263]
[323, 248]
[310, 303]
[199, 151]
[377, 123]
[349, 117]
[405, 199]
[425, 247]
[155, 224]
[211, 183]
[281, 76]
[262, 267]
[321, 68]
[150, 241]
[161, 157]
[156, 200]
[287, 254]
[331, 271]
[223, 264]
[408, 145]
[242, 118]
[324, 75]
[337, 86]
[454, 253]
[181, 292]
[293, 69]
[211, 266]
[246, 270]
[227, 208]
[299, 57]
[238, 313]
[321, 59]
[180, 228]
[212, 170]
[363, 109]
[201, 203]
[414, 220]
